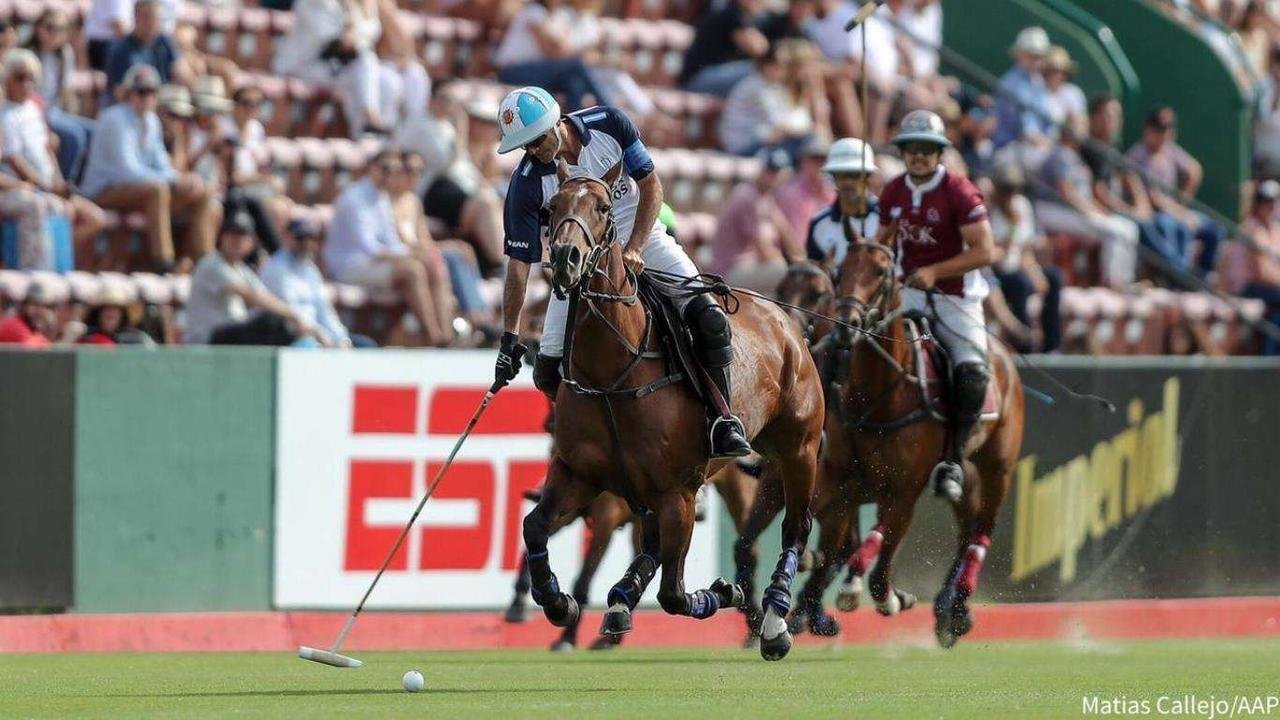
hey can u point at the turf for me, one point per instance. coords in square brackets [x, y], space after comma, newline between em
[1020, 680]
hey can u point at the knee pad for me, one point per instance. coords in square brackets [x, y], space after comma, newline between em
[970, 384]
[712, 331]
[546, 374]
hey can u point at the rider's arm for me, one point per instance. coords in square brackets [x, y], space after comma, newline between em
[647, 210]
[979, 252]
[513, 294]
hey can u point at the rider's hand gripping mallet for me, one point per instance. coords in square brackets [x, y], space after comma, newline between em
[332, 656]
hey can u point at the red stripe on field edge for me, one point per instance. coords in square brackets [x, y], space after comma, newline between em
[285, 631]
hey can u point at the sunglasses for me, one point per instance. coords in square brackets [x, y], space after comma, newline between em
[391, 169]
[24, 77]
[916, 149]
[535, 142]
[250, 103]
[54, 28]
[146, 91]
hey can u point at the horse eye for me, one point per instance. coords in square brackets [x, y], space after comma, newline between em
[602, 209]
[880, 271]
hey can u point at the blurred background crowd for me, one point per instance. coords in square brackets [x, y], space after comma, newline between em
[323, 172]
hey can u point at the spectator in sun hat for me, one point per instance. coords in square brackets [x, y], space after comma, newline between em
[1172, 179]
[1022, 105]
[754, 241]
[109, 322]
[1062, 97]
[129, 169]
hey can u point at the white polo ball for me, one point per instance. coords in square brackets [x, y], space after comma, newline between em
[413, 681]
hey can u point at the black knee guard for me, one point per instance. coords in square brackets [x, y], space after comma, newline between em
[970, 388]
[711, 330]
[546, 374]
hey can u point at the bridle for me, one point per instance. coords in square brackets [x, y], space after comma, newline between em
[874, 313]
[600, 247]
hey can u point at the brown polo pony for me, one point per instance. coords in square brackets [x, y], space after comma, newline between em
[606, 514]
[877, 430]
[651, 448]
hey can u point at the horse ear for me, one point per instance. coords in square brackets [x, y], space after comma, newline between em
[888, 235]
[562, 171]
[612, 176]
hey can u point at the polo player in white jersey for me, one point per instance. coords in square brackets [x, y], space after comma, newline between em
[595, 142]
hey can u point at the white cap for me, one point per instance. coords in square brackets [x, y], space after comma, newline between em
[1032, 40]
[850, 155]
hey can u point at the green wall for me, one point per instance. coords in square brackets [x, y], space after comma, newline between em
[174, 464]
[37, 431]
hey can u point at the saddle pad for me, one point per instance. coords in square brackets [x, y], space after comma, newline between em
[673, 335]
[933, 369]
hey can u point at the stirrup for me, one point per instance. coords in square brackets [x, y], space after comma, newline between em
[947, 479]
[735, 436]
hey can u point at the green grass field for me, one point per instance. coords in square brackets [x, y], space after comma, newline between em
[1021, 680]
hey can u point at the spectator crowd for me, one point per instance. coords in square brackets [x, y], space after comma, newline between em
[125, 127]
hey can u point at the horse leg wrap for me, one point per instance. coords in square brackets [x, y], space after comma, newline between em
[974, 555]
[778, 594]
[702, 604]
[638, 576]
[544, 584]
[861, 561]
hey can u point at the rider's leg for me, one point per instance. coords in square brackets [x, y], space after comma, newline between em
[546, 366]
[715, 351]
[713, 335]
[959, 324]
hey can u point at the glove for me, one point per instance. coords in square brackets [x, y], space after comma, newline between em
[508, 366]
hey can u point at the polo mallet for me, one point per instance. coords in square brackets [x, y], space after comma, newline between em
[863, 13]
[332, 656]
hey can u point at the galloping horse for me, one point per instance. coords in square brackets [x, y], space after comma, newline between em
[604, 516]
[882, 428]
[807, 286]
[616, 431]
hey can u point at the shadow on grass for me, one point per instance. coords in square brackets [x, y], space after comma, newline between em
[362, 691]
[622, 659]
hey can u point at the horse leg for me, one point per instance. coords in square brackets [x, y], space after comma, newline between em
[798, 473]
[884, 539]
[563, 497]
[626, 593]
[765, 507]
[977, 519]
[675, 521]
[601, 533]
[833, 546]
[518, 610]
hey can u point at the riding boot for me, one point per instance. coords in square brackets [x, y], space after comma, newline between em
[714, 345]
[546, 375]
[969, 390]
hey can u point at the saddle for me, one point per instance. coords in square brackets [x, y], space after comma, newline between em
[673, 335]
[933, 371]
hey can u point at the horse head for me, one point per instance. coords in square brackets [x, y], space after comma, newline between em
[868, 283]
[806, 285]
[582, 229]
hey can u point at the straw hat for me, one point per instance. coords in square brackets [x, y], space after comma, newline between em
[176, 100]
[1059, 59]
[211, 96]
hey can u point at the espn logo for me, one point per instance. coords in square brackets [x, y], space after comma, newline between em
[466, 517]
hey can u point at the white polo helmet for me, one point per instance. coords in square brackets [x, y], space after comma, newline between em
[850, 155]
[922, 126]
[525, 114]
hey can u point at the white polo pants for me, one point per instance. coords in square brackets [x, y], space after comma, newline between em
[661, 252]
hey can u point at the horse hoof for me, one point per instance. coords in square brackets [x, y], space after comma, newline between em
[891, 605]
[617, 620]
[906, 599]
[775, 641]
[850, 595]
[729, 594]
[562, 611]
[823, 625]
[606, 642]
[517, 613]
[751, 641]
[946, 638]
[562, 646]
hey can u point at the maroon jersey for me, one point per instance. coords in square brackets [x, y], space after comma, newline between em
[929, 220]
